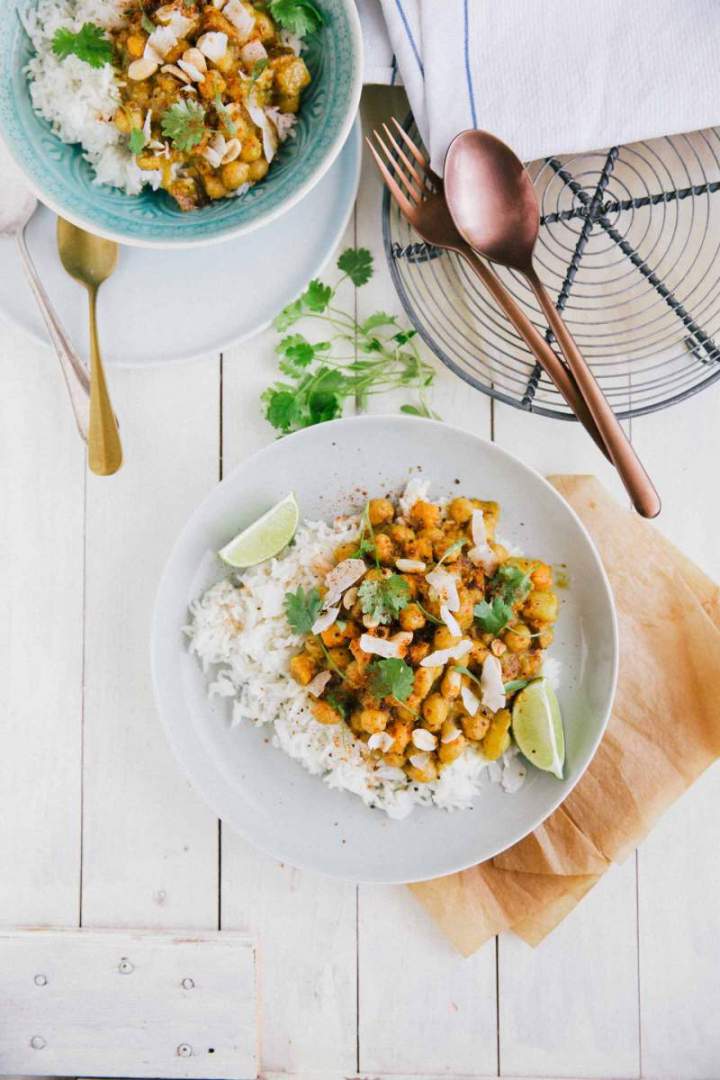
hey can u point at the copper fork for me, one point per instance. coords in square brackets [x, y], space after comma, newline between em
[422, 201]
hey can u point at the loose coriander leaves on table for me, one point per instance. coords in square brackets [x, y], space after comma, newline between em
[355, 360]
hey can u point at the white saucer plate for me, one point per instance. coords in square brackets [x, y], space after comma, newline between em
[166, 306]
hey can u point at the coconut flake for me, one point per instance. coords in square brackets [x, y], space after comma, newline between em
[481, 554]
[450, 621]
[410, 566]
[214, 153]
[444, 588]
[291, 41]
[213, 44]
[491, 682]
[284, 121]
[349, 598]
[160, 42]
[252, 52]
[415, 490]
[143, 68]
[376, 646]
[423, 739]
[147, 126]
[470, 700]
[318, 684]
[380, 741]
[443, 656]
[341, 577]
[240, 17]
[325, 620]
[419, 761]
[269, 134]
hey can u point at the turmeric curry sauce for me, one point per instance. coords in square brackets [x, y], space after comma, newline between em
[209, 89]
[423, 633]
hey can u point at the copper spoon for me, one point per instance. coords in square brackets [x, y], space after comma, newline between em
[494, 206]
[419, 194]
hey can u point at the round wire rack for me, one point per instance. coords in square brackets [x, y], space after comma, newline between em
[628, 246]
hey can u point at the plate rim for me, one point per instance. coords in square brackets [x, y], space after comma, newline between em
[188, 767]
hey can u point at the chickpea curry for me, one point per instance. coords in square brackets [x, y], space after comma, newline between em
[422, 634]
[209, 90]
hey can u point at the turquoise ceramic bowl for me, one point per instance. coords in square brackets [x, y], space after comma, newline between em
[64, 181]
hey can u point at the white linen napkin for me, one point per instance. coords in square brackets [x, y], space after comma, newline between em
[549, 78]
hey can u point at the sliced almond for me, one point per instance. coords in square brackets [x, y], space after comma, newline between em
[195, 74]
[196, 58]
[341, 577]
[349, 598]
[424, 740]
[380, 741]
[318, 684]
[233, 150]
[410, 566]
[213, 44]
[419, 761]
[442, 656]
[173, 69]
[491, 681]
[449, 732]
[375, 646]
[497, 647]
[142, 69]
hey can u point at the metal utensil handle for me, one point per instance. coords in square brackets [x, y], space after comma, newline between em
[73, 370]
[540, 348]
[104, 446]
[638, 484]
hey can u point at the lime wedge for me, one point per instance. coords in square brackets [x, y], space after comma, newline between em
[537, 727]
[265, 537]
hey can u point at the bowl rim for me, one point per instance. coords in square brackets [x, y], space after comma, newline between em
[245, 228]
[188, 765]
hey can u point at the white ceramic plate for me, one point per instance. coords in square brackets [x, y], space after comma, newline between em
[164, 306]
[270, 798]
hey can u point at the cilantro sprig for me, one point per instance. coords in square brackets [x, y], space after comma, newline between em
[300, 17]
[355, 359]
[90, 44]
[184, 124]
[302, 609]
[137, 140]
[383, 599]
[493, 617]
[391, 678]
[508, 585]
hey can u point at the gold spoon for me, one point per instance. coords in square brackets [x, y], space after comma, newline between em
[91, 260]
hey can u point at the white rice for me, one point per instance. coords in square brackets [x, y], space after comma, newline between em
[243, 640]
[79, 101]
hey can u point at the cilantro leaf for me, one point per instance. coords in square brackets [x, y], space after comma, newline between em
[89, 44]
[337, 703]
[380, 318]
[317, 296]
[403, 336]
[493, 617]
[222, 110]
[147, 24]
[384, 598]
[137, 140]
[257, 70]
[298, 16]
[357, 263]
[298, 350]
[391, 678]
[280, 409]
[184, 124]
[302, 609]
[511, 583]
[515, 684]
[417, 410]
[289, 315]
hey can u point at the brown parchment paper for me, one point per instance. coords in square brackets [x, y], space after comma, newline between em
[664, 732]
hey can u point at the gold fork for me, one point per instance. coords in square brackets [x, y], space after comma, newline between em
[422, 201]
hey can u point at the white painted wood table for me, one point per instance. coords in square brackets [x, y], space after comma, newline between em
[98, 828]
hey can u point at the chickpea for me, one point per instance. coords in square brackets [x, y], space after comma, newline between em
[302, 668]
[252, 149]
[122, 122]
[542, 578]
[340, 657]
[435, 711]
[478, 653]
[135, 45]
[518, 638]
[466, 612]
[417, 652]
[530, 665]
[324, 713]
[442, 545]
[264, 26]
[460, 510]
[380, 511]
[451, 684]
[500, 550]
[401, 731]
[412, 618]
[401, 534]
[510, 666]
[214, 187]
[424, 515]
[149, 161]
[497, 738]
[212, 85]
[443, 638]
[422, 776]
[235, 174]
[424, 679]
[258, 170]
[411, 580]
[291, 75]
[384, 549]
[373, 720]
[541, 607]
[334, 635]
[345, 551]
[419, 548]
[449, 752]
[354, 675]
[289, 103]
[475, 726]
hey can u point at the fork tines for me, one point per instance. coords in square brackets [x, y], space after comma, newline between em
[413, 181]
